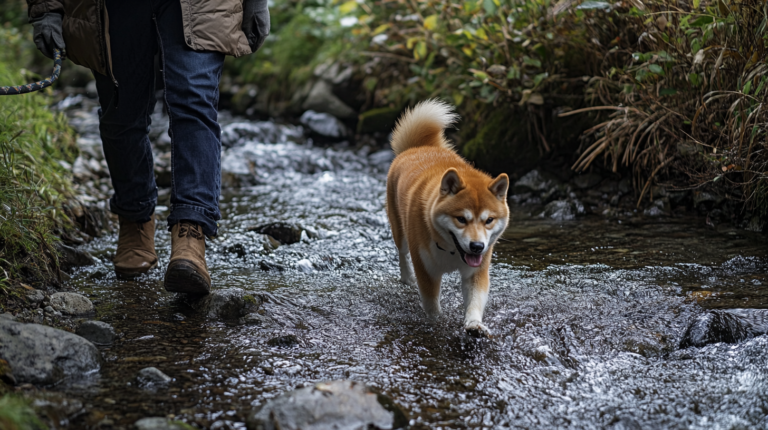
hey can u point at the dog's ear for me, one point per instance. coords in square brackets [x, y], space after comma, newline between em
[451, 183]
[499, 186]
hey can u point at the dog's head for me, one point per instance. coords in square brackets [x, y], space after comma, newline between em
[471, 212]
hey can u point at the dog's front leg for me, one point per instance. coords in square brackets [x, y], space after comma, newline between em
[406, 272]
[429, 287]
[474, 286]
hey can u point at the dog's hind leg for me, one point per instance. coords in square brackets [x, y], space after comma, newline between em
[474, 287]
[406, 271]
[407, 276]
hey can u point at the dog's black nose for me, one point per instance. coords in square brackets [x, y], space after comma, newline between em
[476, 247]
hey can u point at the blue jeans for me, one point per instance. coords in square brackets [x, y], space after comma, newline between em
[137, 30]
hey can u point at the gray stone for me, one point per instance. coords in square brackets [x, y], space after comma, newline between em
[149, 377]
[587, 180]
[322, 99]
[625, 186]
[534, 182]
[70, 257]
[71, 304]
[97, 332]
[283, 232]
[43, 355]
[340, 405]
[159, 423]
[49, 310]
[562, 210]
[8, 316]
[702, 197]
[227, 304]
[728, 326]
[35, 298]
[324, 124]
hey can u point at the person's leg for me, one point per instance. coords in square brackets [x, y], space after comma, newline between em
[191, 81]
[192, 94]
[124, 119]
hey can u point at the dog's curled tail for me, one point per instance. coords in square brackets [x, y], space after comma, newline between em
[423, 126]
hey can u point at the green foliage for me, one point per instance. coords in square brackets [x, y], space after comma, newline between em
[16, 414]
[33, 184]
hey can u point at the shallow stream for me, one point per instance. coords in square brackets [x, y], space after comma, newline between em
[586, 314]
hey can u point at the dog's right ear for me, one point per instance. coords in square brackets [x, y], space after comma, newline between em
[451, 183]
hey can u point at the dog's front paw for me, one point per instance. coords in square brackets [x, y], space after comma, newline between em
[477, 329]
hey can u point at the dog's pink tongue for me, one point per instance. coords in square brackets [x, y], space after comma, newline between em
[473, 260]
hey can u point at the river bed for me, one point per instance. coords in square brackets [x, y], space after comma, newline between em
[586, 314]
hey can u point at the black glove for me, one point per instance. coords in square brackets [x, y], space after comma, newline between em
[255, 22]
[47, 33]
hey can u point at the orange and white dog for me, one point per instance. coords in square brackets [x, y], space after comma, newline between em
[444, 214]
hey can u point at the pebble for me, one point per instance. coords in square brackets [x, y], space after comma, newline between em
[71, 304]
[152, 377]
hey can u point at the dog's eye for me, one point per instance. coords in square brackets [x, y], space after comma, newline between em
[488, 221]
[461, 219]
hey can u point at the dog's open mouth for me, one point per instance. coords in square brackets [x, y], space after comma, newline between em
[472, 260]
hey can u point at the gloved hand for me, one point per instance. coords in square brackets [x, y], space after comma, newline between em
[255, 22]
[47, 33]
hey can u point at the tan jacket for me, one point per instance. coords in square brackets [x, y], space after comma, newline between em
[208, 26]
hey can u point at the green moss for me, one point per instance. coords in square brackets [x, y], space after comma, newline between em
[250, 299]
[498, 142]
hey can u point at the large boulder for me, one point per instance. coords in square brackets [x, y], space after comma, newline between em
[44, 355]
[339, 405]
[727, 326]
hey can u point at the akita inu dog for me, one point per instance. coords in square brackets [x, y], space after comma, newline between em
[443, 212]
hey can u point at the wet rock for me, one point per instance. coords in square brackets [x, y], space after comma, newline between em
[534, 182]
[378, 120]
[341, 405]
[703, 199]
[159, 423]
[227, 304]
[269, 265]
[324, 124]
[43, 355]
[97, 332]
[727, 326]
[71, 304]
[321, 99]
[70, 257]
[659, 207]
[587, 180]
[283, 232]
[625, 186]
[382, 158]
[562, 210]
[238, 133]
[149, 377]
[286, 341]
[35, 297]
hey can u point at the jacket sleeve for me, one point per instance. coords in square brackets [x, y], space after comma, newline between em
[38, 8]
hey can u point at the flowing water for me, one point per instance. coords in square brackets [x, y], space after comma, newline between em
[586, 314]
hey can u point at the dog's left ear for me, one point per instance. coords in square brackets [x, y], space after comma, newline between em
[499, 186]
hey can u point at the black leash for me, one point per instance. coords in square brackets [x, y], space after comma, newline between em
[58, 56]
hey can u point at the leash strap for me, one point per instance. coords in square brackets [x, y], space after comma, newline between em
[58, 56]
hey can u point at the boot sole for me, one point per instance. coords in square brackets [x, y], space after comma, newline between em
[134, 274]
[182, 276]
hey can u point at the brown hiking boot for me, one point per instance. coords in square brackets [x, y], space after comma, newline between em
[135, 248]
[187, 271]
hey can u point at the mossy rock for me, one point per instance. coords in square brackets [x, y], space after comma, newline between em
[378, 120]
[500, 143]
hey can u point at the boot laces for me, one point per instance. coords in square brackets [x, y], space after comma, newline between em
[191, 230]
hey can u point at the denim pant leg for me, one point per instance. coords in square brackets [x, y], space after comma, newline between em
[192, 97]
[124, 115]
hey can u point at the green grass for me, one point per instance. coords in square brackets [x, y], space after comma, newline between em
[16, 414]
[33, 184]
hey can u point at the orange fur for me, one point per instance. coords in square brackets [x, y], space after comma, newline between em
[429, 187]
